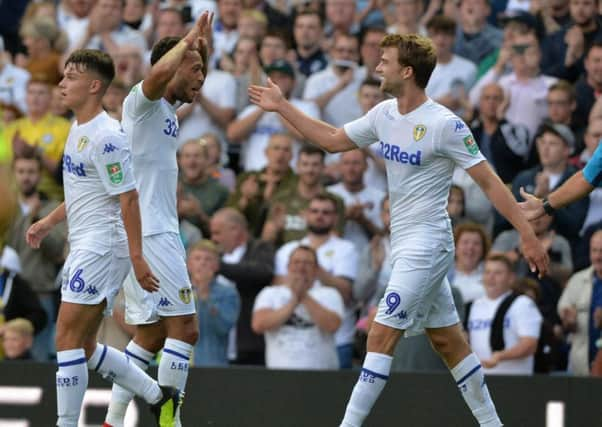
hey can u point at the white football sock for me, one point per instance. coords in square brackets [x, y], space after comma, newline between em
[115, 366]
[173, 367]
[471, 383]
[71, 384]
[120, 397]
[372, 380]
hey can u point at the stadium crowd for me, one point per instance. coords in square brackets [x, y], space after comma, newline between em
[254, 199]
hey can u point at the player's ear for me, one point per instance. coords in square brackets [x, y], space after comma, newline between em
[96, 86]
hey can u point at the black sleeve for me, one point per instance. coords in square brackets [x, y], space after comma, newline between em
[256, 269]
[24, 302]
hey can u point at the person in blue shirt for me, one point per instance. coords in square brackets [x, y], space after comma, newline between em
[575, 188]
[217, 305]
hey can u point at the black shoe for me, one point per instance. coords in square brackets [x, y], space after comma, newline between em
[165, 409]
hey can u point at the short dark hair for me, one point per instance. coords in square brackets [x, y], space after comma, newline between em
[370, 81]
[95, 61]
[597, 44]
[499, 257]
[162, 47]
[326, 197]
[371, 29]
[309, 12]
[312, 150]
[442, 24]
[414, 51]
[28, 156]
[305, 248]
[566, 87]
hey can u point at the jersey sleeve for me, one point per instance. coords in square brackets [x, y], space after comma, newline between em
[362, 131]
[136, 104]
[113, 162]
[526, 317]
[457, 143]
[592, 172]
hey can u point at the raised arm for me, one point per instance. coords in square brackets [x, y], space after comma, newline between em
[162, 72]
[317, 132]
[504, 202]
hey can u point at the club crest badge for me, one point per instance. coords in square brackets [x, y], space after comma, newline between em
[419, 132]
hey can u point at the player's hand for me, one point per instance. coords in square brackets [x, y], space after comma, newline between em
[536, 255]
[36, 233]
[268, 98]
[532, 207]
[145, 276]
[199, 30]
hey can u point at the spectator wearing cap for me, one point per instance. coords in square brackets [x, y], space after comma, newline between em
[217, 304]
[475, 38]
[45, 43]
[554, 144]
[564, 50]
[253, 127]
[13, 81]
[453, 75]
[41, 132]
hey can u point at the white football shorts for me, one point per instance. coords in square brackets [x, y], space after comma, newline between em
[418, 295]
[89, 278]
[166, 257]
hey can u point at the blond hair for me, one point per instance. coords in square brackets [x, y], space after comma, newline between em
[21, 326]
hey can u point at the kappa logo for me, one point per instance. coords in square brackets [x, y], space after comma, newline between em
[109, 148]
[164, 302]
[91, 290]
[185, 295]
[459, 126]
[419, 132]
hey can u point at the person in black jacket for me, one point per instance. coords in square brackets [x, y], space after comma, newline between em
[17, 299]
[249, 265]
[554, 145]
[505, 145]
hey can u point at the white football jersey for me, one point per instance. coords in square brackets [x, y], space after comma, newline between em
[152, 129]
[523, 319]
[421, 149]
[97, 168]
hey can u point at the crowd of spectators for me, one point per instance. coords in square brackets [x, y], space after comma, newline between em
[288, 246]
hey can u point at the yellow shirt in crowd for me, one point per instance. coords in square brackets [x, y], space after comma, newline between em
[49, 133]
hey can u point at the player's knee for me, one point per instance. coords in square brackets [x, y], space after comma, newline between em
[191, 333]
[381, 340]
[184, 329]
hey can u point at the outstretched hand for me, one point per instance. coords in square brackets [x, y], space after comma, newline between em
[268, 98]
[200, 30]
[532, 207]
[535, 254]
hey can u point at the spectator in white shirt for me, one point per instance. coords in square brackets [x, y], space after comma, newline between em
[453, 75]
[254, 127]
[362, 203]
[106, 30]
[338, 260]
[13, 82]
[299, 317]
[225, 27]
[505, 346]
